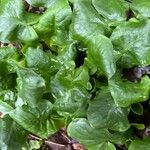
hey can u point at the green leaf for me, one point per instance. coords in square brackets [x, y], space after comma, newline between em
[104, 113]
[67, 53]
[100, 52]
[5, 108]
[87, 27]
[30, 86]
[126, 93]
[81, 130]
[53, 21]
[131, 39]
[35, 144]
[38, 59]
[7, 52]
[7, 56]
[27, 34]
[2, 4]
[10, 19]
[141, 8]
[140, 144]
[14, 26]
[86, 21]
[35, 120]
[31, 18]
[69, 87]
[107, 8]
[138, 126]
[103, 146]
[137, 108]
[12, 135]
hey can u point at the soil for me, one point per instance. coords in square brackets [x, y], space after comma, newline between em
[59, 141]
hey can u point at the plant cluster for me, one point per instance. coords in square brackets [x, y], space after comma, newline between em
[82, 65]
